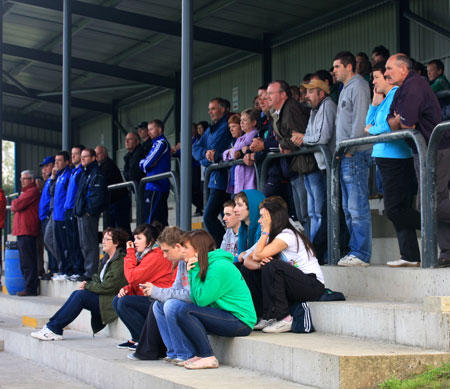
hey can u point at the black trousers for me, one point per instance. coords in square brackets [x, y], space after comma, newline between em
[397, 175]
[28, 262]
[151, 345]
[279, 284]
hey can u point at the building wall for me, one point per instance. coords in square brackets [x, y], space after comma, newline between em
[95, 132]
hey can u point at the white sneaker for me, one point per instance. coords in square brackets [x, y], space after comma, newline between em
[263, 323]
[354, 261]
[46, 334]
[343, 261]
[278, 327]
[60, 277]
[402, 263]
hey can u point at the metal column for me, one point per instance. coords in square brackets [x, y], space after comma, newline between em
[1, 92]
[403, 33]
[67, 76]
[186, 113]
[114, 130]
[266, 60]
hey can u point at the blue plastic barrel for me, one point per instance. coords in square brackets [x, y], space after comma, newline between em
[13, 275]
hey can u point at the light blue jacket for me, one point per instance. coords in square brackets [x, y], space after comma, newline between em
[377, 116]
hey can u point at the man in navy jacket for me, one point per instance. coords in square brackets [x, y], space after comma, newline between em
[89, 204]
[157, 161]
[208, 150]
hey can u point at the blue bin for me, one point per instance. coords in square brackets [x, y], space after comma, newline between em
[14, 281]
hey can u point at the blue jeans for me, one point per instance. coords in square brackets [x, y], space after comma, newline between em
[195, 322]
[315, 184]
[355, 203]
[178, 346]
[78, 300]
[213, 208]
[300, 202]
[133, 311]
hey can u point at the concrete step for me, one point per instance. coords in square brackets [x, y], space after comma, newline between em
[97, 362]
[411, 324]
[388, 284]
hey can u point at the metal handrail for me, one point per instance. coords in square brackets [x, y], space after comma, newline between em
[430, 201]
[324, 149]
[341, 147]
[176, 190]
[224, 165]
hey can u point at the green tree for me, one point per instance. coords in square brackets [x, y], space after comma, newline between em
[8, 165]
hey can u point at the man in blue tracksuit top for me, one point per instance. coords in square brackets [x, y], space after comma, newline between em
[73, 240]
[61, 174]
[44, 211]
[89, 204]
[157, 161]
[208, 150]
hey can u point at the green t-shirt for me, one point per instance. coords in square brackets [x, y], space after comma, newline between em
[224, 287]
[440, 83]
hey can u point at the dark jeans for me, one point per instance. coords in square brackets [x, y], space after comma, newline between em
[52, 263]
[151, 345]
[213, 208]
[78, 300]
[88, 230]
[396, 175]
[155, 207]
[196, 322]
[197, 188]
[64, 257]
[118, 214]
[133, 311]
[277, 285]
[73, 243]
[28, 262]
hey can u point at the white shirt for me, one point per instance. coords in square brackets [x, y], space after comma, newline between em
[297, 255]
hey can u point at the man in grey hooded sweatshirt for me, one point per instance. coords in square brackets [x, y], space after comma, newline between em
[352, 108]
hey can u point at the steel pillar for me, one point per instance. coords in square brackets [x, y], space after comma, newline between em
[67, 76]
[186, 113]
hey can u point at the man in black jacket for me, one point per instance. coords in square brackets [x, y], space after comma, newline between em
[136, 152]
[89, 204]
[118, 210]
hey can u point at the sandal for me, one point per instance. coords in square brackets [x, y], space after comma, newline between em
[202, 363]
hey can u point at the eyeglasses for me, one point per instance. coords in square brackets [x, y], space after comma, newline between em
[25, 178]
[106, 239]
[272, 93]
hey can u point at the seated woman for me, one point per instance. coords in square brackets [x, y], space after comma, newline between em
[143, 263]
[222, 302]
[244, 176]
[96, 295]
[285, 269]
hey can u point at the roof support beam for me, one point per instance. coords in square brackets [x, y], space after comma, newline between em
[31, 121]
[89, 66]
[131, 19]
[21, 139]
[77, 103]
[426, 24]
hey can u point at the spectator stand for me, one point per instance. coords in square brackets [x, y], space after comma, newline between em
[429, 256]
[341, 147]
[175, 187]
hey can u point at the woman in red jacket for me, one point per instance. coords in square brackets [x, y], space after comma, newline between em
[144, 263]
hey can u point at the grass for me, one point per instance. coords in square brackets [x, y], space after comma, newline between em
[434, 378]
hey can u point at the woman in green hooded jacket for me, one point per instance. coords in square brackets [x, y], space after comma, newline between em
[96, 295]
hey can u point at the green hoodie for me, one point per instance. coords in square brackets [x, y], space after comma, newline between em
[223, 288]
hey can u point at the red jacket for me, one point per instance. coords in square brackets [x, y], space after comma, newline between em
[2, 208]
[25, 208]
[152, 268]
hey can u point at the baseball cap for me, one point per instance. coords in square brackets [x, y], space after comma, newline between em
[317, 84]
[141, 125]
[47, 160]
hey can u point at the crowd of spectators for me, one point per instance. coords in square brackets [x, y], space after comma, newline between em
[354, 98]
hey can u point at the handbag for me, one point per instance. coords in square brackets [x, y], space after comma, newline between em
[304, 164]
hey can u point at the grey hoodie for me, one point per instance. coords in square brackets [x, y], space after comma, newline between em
[351, 113]
[230, 242]
[180, 289]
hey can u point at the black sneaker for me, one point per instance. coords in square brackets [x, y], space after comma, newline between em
[128, 345]
[46, 277]
[443, 262]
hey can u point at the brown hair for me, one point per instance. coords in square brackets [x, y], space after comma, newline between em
[243, 197]
[150, 231]
[203, 242]
[278, 199]
[229, 203]
[118, 235]
[235, 119]
[170, 236]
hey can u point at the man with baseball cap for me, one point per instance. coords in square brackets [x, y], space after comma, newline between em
[146, 140]
[320, 130]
